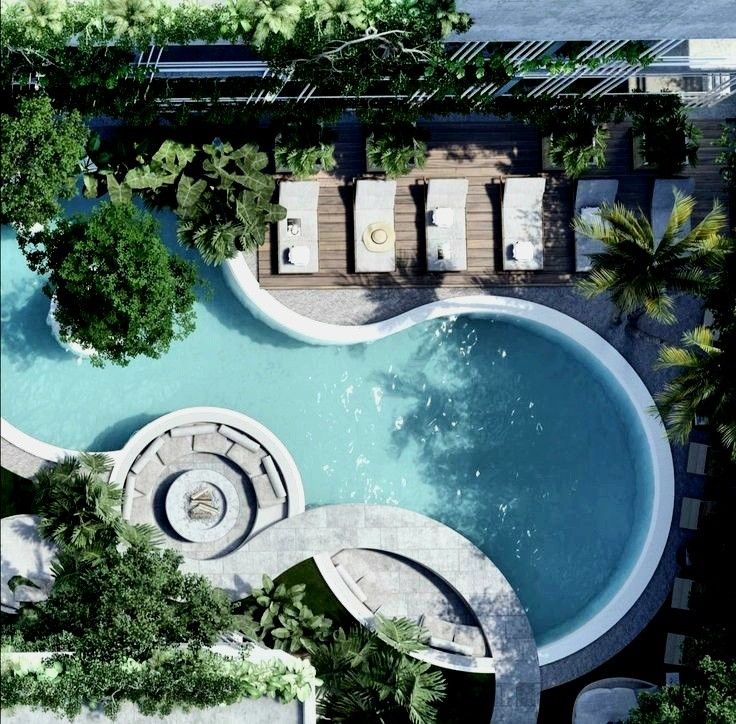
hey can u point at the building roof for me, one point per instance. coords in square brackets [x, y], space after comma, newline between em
[599, 20]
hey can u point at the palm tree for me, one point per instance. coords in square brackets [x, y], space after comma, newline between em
[369, 676]
[80, 510]
[130, 16]
[703, 386]
[639, 272]
[40, 16]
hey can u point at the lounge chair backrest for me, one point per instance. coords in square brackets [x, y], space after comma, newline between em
[374, 194]
[447, 193]
[663, 201]
[301, 195]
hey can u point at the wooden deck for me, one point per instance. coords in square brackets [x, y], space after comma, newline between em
[485, 153]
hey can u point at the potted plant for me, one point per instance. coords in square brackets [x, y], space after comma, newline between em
[303, 150]
[665, 142]
[575, 146]
[395, 150]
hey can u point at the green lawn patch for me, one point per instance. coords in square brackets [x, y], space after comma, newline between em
[16, 494]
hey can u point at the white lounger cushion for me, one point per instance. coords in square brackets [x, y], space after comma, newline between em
[445, 224]
[374, 203]
[301, 201]
[273, 475]
[437, 627]
[240, 438]
[148, 455]
[451, 646]
[521, 221]
[265, 494]
[350, 582]
[202, 428]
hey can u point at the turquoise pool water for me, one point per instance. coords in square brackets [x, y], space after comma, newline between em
[514, 437]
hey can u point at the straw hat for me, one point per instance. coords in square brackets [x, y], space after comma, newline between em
[379, 237]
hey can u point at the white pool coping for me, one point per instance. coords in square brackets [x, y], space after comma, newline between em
[280, 317]
[272, 312]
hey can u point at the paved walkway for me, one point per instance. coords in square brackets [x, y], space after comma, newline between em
[329, 529]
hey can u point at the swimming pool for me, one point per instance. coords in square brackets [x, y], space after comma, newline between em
[505, 430]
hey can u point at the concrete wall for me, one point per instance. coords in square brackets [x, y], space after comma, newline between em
[599, 20]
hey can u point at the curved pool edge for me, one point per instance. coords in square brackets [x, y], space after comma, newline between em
[269, 310]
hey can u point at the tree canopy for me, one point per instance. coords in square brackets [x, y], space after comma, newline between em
[128, 604]
[39, 160]
[711, 699]
[117, 288]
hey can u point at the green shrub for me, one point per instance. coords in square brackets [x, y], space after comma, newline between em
[667, 139]
[172, 678]
[303, 150]
[396, 149]
[577, 149]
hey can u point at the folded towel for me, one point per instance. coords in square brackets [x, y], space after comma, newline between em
[523, 251]
[299, 255]
[443, 217]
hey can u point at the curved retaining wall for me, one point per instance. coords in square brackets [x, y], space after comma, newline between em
[272, 312]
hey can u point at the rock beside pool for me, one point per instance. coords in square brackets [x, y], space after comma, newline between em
[75, 348]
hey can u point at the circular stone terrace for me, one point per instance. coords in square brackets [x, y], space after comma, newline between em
[208, 478]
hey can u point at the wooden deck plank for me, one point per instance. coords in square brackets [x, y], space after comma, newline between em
[485, 154]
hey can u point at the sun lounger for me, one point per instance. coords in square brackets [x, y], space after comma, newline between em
[697, 458]
[663, 200]
[374, 236]
[681, 591]
[674, 649]
[709, 323]
[693, 511]
[591, 195]
[298, 234]
[445, 224]
[523, 241]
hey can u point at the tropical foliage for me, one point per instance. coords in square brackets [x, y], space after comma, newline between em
[80, 510]
[303, 149]
[710, 699]
[40, 151]
[117, 289]
[703, 386]
[130, 603]
[230, 210]
[640, 272]
[578, 149]
[277, 616]
[667, 140]
[705, 383]
[366, 680]
[727, 157]
[172, 678]
[396, 149]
